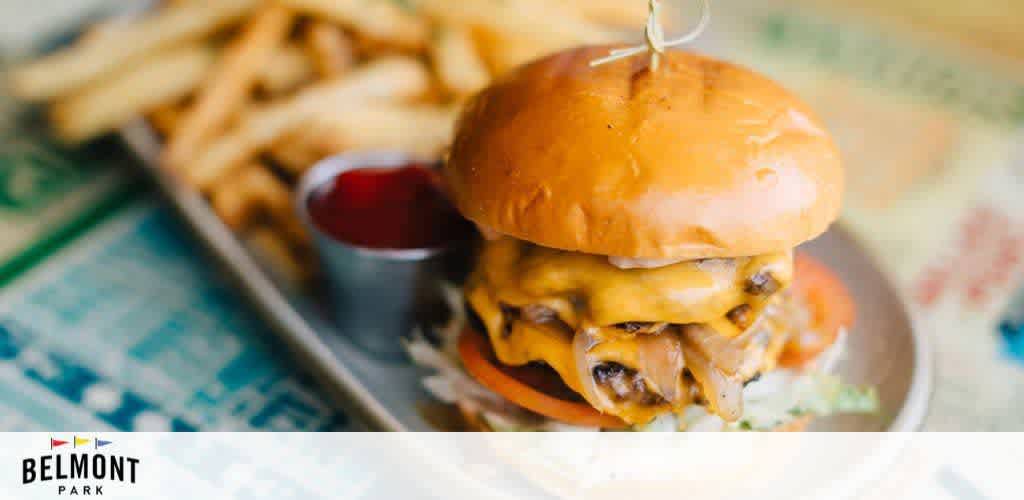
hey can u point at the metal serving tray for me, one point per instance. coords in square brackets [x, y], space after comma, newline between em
[884, 348]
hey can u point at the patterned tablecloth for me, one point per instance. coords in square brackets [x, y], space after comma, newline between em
[110, 318]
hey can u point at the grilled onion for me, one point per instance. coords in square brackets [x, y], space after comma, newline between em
[742, 355]
[582, 342]
[632, 263]
[661, 363]
[724, 393]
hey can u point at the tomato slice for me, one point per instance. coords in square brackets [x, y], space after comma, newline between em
[477, 357]
[830, 306]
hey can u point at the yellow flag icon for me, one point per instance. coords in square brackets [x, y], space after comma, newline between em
[81, 441]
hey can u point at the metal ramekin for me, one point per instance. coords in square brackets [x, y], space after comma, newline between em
[375, 293]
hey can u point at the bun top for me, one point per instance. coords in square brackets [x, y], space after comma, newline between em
[699, 159]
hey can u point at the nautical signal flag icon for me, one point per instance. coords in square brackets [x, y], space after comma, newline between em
[77, 442]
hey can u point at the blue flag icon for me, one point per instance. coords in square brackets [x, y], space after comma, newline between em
[101, 443]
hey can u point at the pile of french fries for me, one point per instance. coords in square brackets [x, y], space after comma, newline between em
[248, 94]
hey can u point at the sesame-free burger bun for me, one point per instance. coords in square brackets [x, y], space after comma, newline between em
[700, 158]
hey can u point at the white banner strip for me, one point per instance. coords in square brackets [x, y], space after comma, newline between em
[525, 465]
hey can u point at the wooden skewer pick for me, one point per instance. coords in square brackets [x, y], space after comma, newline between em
[654, 36]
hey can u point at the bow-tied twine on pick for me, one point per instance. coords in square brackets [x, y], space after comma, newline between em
[654, 36]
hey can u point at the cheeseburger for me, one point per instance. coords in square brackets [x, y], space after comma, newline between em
[638, 267]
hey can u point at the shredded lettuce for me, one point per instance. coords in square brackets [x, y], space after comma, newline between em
[833, 396]
[789, 396]
[778, 397]
[796, 395]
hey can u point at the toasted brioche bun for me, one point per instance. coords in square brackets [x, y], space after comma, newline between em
[701, 158]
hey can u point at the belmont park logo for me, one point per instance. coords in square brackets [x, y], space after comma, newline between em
[79, 466]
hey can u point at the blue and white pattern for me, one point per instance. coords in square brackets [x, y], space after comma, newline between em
[131, 329]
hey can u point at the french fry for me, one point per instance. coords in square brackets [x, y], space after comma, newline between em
[233, 203]
[421, 130]
[519, 20]
[380, 19]
[503, 52]
[165, 118]
[276, 199]
[282, 260]
[266, 190]
[625, 13]
[292, 229]
[289, 67]
[122, 44]
[459, 66]
[95, 32]
[296, 152]
[109, 104]
[512, 32]
[227, 89]
[392, 78]
[250, 191]
[329, 48]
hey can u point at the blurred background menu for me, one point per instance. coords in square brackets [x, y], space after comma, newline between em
[112, 317]
[929, 125]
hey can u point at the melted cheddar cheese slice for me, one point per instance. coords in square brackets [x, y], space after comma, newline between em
[587, 293]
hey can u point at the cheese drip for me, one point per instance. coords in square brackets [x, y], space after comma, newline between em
[590, 297]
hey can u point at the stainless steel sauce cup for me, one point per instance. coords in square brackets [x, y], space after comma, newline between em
[375, 293]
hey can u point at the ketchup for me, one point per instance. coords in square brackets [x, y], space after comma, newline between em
[397, 208]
